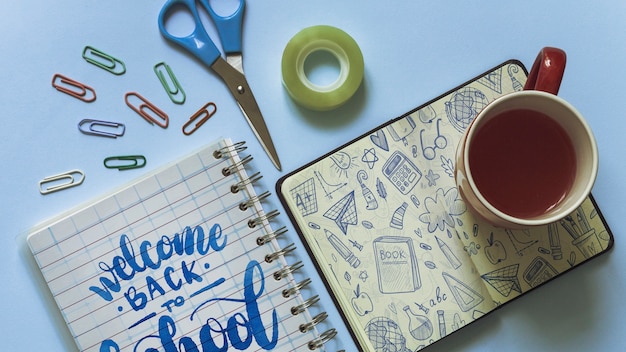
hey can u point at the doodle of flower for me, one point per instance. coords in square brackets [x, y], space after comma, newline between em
[441, 210]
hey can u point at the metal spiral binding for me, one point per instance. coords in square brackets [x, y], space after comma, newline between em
[284, 272]
[273, 256]
[295, 310]
[261, 240]
[324, 337]
[236, 147]
[253, 200]
[252, 223]
[229, 170]
[288, 292]
[243, 183]
[316, 320]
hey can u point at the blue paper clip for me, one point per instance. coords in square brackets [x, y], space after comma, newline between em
[174, 90]
[136, 161]
[52, 183]
[88, 126]
[103, 60]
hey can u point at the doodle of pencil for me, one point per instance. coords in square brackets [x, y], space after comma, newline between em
[574, 225]
[454, 261]
[568, 228]
[555, 241]
[342, 249]
[583, 220]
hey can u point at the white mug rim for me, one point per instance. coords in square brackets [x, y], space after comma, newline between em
[560, 214]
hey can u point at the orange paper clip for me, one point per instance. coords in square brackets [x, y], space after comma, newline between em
[203, 115]
[147, 110]
[74, 88]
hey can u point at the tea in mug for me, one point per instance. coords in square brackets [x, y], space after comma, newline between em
[523, 162]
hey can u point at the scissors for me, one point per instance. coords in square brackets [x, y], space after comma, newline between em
[230, 70]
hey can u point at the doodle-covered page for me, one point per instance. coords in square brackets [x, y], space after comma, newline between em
[172, 262]
[406, 261]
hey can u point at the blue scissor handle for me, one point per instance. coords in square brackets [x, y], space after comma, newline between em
[229, 28]
[198, 42]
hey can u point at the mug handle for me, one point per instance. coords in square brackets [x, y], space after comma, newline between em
[547, 71]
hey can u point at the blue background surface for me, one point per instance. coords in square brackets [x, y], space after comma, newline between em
[413, 52]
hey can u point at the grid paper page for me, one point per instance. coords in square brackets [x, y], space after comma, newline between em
[170, 263]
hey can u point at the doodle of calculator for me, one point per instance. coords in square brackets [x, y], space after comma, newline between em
[402, 172]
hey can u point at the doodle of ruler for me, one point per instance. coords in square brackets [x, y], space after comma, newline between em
[466, 297]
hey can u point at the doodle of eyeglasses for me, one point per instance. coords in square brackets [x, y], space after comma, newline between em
[440, 142]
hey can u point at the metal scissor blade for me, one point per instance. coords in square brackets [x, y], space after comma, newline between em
[240, 89]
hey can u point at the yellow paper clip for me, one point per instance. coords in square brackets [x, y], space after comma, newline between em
[203, 114]
[136, 161]
[103, 60]
[73, 88]
[52, 183]
[147, 110]
[175, 90]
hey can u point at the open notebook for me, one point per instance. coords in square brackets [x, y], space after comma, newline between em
[406, 262]
[182, 259]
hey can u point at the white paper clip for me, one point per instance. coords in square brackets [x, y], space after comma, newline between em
[53, 183]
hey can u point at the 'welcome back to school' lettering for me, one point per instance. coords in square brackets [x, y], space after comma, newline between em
[176, 265]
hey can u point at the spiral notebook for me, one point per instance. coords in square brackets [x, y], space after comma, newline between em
[182, 259]
[405, 261]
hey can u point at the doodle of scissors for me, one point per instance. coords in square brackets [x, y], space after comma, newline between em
[230, 70]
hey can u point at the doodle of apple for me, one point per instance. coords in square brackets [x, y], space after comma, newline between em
[361, 302]
[495, 251]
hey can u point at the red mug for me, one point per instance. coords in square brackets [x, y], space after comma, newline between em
[528, 158]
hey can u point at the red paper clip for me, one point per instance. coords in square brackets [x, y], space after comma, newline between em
[73, 88]
[203, 114]
[147, 110]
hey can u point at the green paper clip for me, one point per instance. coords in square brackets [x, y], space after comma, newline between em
[103, 60]
[136, 161]
[174, 90]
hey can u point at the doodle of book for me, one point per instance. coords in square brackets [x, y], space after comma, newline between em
[406, 262]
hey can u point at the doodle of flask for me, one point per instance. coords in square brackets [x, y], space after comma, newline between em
[420, 327]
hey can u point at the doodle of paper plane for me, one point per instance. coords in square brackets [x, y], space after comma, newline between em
[504, 280]
[343, 213]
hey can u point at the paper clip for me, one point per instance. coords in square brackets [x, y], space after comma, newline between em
[87, 126]
[203, 114]
[145, 108]
[136, 161]
[73, 88]
[103, 60]
[68, 177]
[172, 91]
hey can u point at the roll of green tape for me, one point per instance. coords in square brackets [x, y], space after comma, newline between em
[339, 44]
